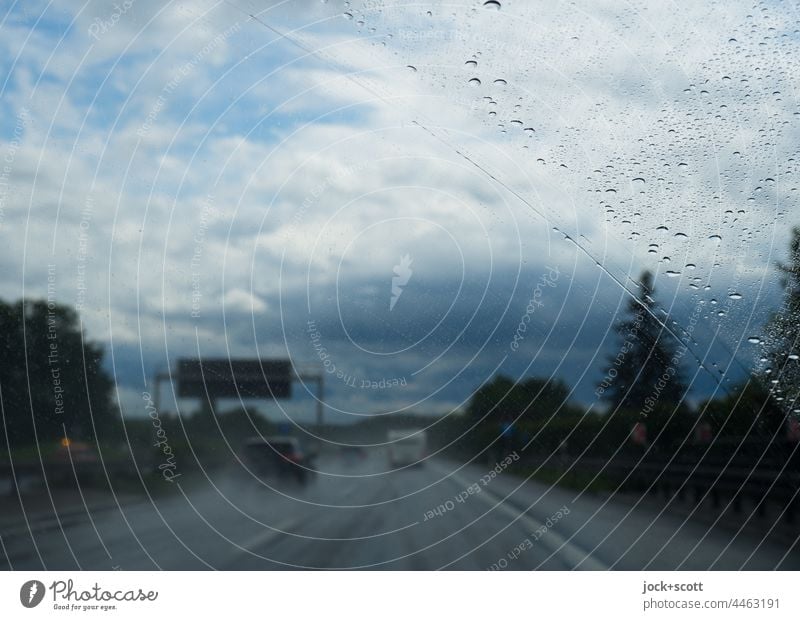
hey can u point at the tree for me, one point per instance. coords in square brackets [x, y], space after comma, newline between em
[644, 374]
[51, 377]
[782, 338]
[746, 410]
[508, 413]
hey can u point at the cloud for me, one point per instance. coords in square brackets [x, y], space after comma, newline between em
[284, 176]
[240, 301]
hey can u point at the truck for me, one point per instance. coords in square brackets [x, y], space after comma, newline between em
[407, 447]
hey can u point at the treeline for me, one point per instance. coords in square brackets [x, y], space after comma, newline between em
[538, 417]
[52, 383]
[642, 395]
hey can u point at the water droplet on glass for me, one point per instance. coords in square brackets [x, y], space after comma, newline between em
[474, 82]
[492, 4]
[735, 295]
[754, 340]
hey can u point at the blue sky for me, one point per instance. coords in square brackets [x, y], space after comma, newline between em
[307, 165]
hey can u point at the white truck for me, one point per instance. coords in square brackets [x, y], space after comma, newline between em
[407, 447]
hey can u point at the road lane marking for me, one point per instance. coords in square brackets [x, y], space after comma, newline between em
[266, 536]
[554, 541]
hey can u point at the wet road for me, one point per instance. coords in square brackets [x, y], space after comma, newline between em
[356, 516]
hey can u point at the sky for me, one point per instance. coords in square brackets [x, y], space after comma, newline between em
[419, 195]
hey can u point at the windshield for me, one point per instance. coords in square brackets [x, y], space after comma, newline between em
[555, 246]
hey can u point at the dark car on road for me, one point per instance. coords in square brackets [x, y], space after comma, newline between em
[279, 456]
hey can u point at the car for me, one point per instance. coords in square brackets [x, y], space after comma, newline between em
[279, 455]
[351, 454]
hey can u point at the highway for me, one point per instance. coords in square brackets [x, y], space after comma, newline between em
[355, 515]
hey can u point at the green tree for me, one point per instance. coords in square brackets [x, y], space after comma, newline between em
[51, 377]
[511, 413]
[782, 337]
[746, 410]
[643, 363]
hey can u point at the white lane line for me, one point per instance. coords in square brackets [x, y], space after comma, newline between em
[267, 535]
[555, 542]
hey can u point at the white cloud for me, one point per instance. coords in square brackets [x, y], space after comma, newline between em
[238, 300]
[327, 147]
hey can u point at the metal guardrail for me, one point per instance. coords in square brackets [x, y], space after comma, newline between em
[61, 472]
[737, 480]
[757, 485]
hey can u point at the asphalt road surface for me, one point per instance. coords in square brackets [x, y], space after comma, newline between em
[357, 516]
